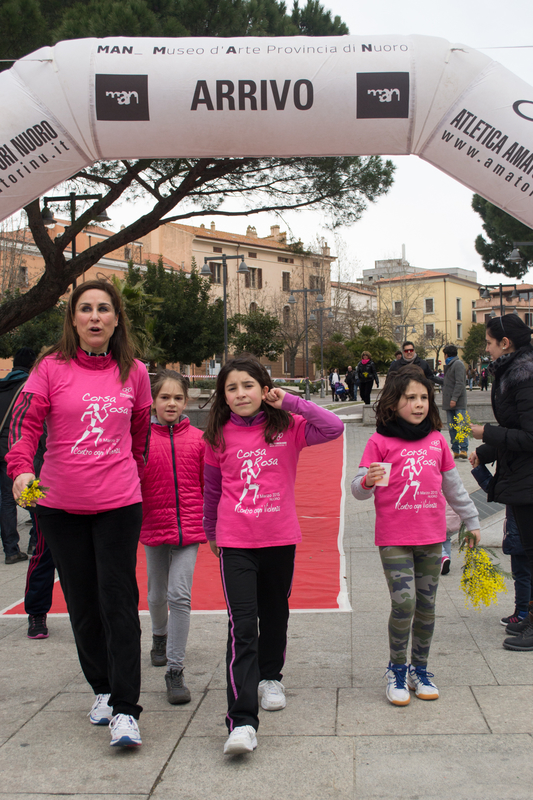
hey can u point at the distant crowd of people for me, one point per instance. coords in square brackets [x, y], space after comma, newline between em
[365, 375]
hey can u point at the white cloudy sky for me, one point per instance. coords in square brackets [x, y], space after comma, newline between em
[426, 210]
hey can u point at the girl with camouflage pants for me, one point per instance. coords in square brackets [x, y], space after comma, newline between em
[411, 520]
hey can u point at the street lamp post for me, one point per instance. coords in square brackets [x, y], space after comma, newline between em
[486, 295]
[206, 272]
[312, 318]
[48, 218]
[400, 328]
[292, 300]
[515, 256]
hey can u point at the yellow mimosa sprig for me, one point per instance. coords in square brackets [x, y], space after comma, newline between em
[482, 580]
[462, 427]
[33, 492]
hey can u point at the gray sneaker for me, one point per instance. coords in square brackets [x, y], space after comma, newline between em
[177, 692]
[158, 653]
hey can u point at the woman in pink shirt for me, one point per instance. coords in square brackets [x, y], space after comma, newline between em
[411, 519]
[95, 398]
[255, 434]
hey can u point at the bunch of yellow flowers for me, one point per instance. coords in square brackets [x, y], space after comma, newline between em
[482, 579]
[33, 492]
[462, 427]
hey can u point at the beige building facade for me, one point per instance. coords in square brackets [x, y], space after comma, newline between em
[429, 307]
[276, 268]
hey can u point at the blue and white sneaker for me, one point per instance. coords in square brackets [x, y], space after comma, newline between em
[397, 691]
[124, 731]
[418, 680]
[101, 713]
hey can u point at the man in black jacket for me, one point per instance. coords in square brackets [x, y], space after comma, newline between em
[409, 356]
[351, 380]
[9, 388]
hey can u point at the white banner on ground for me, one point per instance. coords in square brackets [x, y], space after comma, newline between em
[95, 99]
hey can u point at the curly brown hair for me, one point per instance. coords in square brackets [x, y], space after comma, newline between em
[396, 385]
[277, 420]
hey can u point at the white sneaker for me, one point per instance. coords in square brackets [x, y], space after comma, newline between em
[397, 691]
[418, 680]
[101, 713]
[124, 731]
[241, 740]
[272, 694]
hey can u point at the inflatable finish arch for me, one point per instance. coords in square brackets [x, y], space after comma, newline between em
[68, 106]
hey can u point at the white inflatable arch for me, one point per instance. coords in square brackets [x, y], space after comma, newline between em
[67, 106]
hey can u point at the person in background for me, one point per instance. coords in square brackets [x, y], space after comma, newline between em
[511, 546]
[454, 397]
[10, 388]
[409, 356]
[367, 374]
[95, 399]
[398, 355]
[351, 382]
[470, 374]
[333, 379]
[485, 379]
[510, 442]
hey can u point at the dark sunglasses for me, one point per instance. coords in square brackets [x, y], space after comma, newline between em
[409, 350]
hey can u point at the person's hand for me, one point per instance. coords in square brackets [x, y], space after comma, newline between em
[20, 483]
[474, 459]
[274, 397]
[375, 472]
[214, 549]
[452, 403]
[477, 536]
[477, 431]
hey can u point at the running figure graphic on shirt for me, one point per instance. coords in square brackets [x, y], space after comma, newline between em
[95, 417]
[413, 471]
[248, 475]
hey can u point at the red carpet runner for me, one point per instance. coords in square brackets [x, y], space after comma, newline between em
[318, 582]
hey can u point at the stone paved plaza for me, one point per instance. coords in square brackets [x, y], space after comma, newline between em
[338, 738]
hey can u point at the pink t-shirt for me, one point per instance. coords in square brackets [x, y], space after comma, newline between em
[411, 510]
[88, 464]
[257, 507]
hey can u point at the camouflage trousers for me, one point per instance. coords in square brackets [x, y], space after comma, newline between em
[412, 575]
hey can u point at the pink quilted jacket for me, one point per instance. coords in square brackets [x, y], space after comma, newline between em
[173, 486]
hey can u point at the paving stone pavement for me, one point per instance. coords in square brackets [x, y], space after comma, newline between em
[338, 738]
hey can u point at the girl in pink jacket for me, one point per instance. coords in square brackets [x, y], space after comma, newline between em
[172, 490]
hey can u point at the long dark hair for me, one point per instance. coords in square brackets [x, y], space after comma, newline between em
[120, 344]
[277, 421]
[396, 385]
[511, 326]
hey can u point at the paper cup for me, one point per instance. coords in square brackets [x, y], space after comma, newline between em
[384, 481]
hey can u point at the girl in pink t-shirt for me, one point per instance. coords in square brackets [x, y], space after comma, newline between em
[411, 519]
[255, 434]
